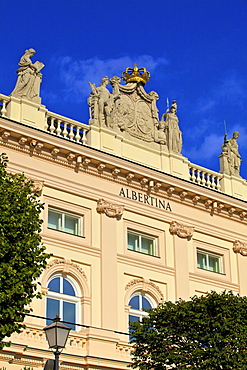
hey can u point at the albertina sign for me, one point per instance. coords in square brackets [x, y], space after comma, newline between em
[145, 198]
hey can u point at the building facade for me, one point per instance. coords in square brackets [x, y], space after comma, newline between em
[129, 220]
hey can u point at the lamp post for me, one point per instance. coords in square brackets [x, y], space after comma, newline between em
[57, 335]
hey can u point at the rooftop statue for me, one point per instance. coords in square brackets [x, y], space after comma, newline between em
[132, 111]
[174, 134]
[29, 78]
[230, 158]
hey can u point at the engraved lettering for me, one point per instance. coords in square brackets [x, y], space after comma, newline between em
[162, 204]
[134, 196]
[127, 191]
[122, 193]
[146, 199]
[140, 197]
[168, 207]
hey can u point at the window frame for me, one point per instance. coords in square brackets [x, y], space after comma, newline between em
[208, 254]
[63, 214]
[140, 312]
[141, 235]
[62, 297]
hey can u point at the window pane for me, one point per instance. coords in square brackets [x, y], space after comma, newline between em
[52, 308]
[54, 220]
[214, 263]
[133, 242]
[54, 285]
[201, 260]
[145, 304]
[147, 245]
[134, 303]
[67, 288]
[71, 224]
[69, 314]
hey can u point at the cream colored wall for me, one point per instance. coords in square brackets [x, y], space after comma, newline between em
[106, 271]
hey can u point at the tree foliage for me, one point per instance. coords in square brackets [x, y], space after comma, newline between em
[207, 332]
[22, 256]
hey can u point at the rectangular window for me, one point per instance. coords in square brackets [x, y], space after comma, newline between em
[64, 221]
[209, 261]
[142, 243]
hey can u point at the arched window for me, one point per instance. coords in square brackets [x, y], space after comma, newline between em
[138, 303]
[62, 299]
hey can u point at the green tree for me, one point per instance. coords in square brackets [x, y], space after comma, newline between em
[22, 256]
[207, 332]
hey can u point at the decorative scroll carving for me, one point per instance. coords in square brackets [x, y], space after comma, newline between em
[147, 285]
[67, 265]
[110, 209]
[181, 230]
[240, 247]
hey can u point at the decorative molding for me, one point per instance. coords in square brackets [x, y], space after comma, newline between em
[242, 214]
[37, 186]
[129, 176]
[183, 194]
[157, 185]
[144, 181]
[208, 203]
[231, 211]
[115, 171]
[181, 230]
[55, 151]
[110, 209]
[70, 157]
[86, 162]
[170, 190]
[22, 140]
[145, 285]
[65, 266]
[100, 167]
[240, 247]
[196, 198]
[5, 135]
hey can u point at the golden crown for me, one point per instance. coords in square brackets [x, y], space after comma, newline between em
[136, 74]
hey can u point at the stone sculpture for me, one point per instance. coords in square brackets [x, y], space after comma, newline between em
[29, 78]
[174, 135]
[129, 109]
[104, 100]
[230, 158]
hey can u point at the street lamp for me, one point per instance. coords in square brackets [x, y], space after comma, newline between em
[57, 335]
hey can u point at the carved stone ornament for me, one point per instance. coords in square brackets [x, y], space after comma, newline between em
[147, 285]
[110, 209]
[181, 230]
[240, 247]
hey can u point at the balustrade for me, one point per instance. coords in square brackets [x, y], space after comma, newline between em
[67, 128]
[3, 102]
[205, 177]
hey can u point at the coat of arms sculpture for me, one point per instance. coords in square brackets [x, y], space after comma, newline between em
[130, 109]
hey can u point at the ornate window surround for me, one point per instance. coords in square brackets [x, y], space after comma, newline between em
[67, 268]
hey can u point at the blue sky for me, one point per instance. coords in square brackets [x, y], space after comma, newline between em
[195, 50]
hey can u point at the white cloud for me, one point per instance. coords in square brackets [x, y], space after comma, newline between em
[207, 149]
[75, 74]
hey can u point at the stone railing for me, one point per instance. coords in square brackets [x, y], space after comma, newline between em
[67, 128]
[205, 177]
[3, 102]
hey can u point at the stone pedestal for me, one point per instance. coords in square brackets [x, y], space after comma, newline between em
[27, 112]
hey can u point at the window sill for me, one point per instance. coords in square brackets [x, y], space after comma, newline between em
[65, 232]
[214, 272]
[143, 254]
